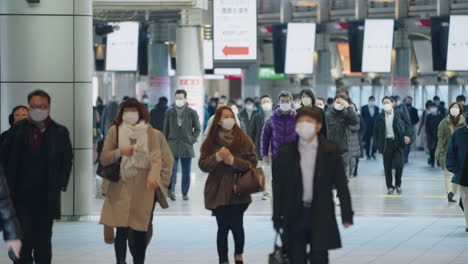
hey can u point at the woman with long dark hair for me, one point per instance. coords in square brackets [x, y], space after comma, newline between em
[226, 153]
[145, 171]
[18, 113]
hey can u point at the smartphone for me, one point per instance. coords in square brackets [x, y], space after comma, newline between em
[13, 256]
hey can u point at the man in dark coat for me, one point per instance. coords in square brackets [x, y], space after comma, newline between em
[391, 135]
[369, 113]
[306, 170]
[247, 115]
[433, 120]
[37, 157]
[158, 113]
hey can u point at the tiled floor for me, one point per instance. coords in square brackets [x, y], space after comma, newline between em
[418, 227]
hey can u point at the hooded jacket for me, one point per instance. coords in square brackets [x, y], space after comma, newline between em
[279, 129]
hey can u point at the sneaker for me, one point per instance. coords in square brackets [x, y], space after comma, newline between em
[171, 195]
[450, 197]
[390, 191]
[185, 198]
[266, 196]
[398, 190]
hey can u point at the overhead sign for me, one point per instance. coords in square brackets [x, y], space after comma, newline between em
[268, 73]
[378, 45]
[235, 30]
[122, 47]
[457, 54]
[300, 48]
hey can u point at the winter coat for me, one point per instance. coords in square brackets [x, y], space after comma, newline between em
[279, 129]
[258, 122]
[339, 124]
[288, 191]
[456, 158]
[444, 133]
[400, 129]
[108, 116]
[354, 141]
[130, 203]
[157, 116]
[220, 183]
[246, 123]
[432, 124]
[9, 223]
[181, 139]
[369, 120]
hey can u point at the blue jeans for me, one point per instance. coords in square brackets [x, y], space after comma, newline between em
[186, 167]
[407, 152]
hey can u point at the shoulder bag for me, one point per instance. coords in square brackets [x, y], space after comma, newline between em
[111, 172]
[253, 181]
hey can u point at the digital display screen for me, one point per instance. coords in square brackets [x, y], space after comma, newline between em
[300, 48]
[457, 51]
[122, 47]
[378, 45]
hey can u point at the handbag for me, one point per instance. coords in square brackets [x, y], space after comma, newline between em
[111, 172]
[253, 181]
[278, 256]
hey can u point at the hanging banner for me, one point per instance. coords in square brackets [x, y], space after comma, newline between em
[235, 30]
[159, 86]
[193, 85]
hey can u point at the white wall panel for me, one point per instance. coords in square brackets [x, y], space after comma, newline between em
[83, 7]
[84, 180]
[36, 48]
[83, 49]
[62, 7]
[83, 115]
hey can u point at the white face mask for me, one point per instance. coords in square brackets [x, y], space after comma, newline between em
[267, 107]
[387, 107]
[228, 123]
[249, 107]
[285, 107]
[371, 103]
[398, 103]
[179, 102]
[338, 107]
[130, 118]
[306, 130]
[454, 111]
[306, 101]
[38, 115]
[433, 110]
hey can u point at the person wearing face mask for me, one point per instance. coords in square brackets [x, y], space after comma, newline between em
[446, 128]
[306, 170]
[246, 116]
[222, 102]
[340, 119]
[308, 99]
[320, 103]
[407, 118]
[422, 126]
[182, 129]
[227, 152]
[37, 157]
[18, 113]
[258, 122]
[391, 135]
[457, 163]
[158, 113]
[369, 113]
[433, 120]
[145, 172]
[279, 128]
[297, 102]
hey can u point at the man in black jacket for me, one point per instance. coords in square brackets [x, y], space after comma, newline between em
[369, 113]
[37, 157]
[306, 170]
[158, 114]
[391, 134]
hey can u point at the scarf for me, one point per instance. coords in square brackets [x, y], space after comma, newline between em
[136, 136]
[455, 120]
[37, 131]
[180, 114]
[225, 138]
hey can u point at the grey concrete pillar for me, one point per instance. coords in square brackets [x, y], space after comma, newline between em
[251, 81]
[323, 79]
[158, 64]
[361, 9]
[401, 81]
[49, 46]
[443, 7]
[285, 11]
[190, 66]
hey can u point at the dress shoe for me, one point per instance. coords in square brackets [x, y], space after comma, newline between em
[450, 196]
[398, 190]
[171, 195]
[391, 191]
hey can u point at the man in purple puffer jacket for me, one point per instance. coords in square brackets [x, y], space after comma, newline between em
[279, 129]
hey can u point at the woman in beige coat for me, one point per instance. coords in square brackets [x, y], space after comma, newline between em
[145, 170]
[227, 152]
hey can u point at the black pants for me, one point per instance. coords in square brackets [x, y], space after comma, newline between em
[37, 234]
[369, 145]
[138, 248]
[230, 217]
[432, 157]
[299, 237]
[393, 158]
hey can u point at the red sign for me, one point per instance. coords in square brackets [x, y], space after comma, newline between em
[236, 51]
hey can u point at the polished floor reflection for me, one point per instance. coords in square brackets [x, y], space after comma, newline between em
[419, 226]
